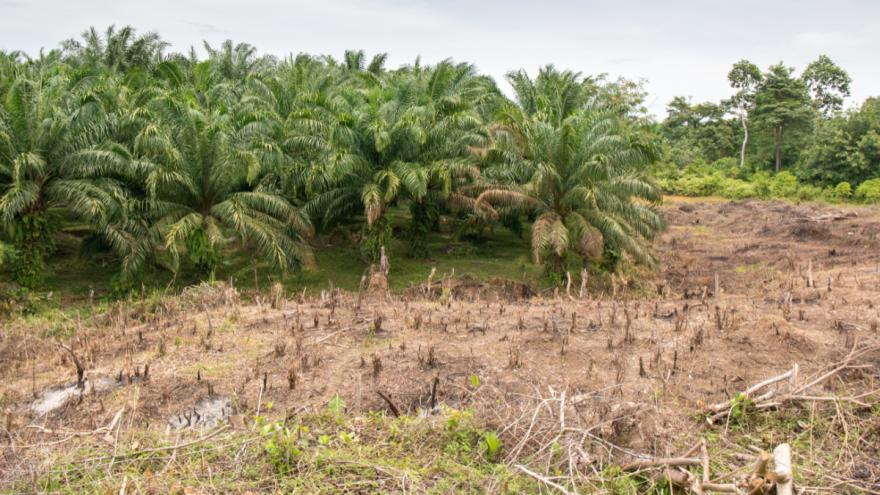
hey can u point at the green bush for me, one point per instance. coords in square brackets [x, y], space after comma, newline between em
[375, 237]
[869, 191]
[761, 182]
[33, 238]
[727, 179]
[6, 253]
[664, 171]
[807, 192]
[729, 166]
[783, 185]
[736, 189]
[842, 191]
[698, 185]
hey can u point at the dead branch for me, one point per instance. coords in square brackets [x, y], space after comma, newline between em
[80, 371]
[394, 410]
[665, 462]
[542, 479]
[772, 398]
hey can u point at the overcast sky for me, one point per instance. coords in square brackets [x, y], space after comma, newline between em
[678, 47]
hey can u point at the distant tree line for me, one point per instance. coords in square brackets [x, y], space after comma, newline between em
[778, 121]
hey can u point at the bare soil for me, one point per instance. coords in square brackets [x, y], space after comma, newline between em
[637, 366]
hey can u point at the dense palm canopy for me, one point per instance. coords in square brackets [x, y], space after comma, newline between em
[173, 159]
[403, 138]
[198, 190]
[566, 160]
[51, 129]
[116, 50]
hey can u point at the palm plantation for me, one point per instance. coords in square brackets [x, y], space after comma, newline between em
[173, 161]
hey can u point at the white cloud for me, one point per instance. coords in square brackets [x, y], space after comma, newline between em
[825, 40]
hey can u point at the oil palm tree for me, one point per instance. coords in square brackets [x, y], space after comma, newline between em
[51, 130]
[116, 50]
[200, 197]
[236, 61]
[268, 112]
[584, 181]
[390, 142]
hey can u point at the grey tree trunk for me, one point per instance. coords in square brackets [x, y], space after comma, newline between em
[779, 133]
[742, 152]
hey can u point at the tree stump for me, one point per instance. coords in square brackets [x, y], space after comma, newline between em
[378, 280]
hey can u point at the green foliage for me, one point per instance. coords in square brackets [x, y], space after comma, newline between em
[736, 189]
[701, 129]
[202, 252]
[336, 405]
[842, 191]
[474, 380]
[740, 408]
[424, 218]
[176, 162]
[572, 166]
[807, 192]
[718, 180]
[33, 238]
[833, 156]
[374, 238]
[775, 117]
[491, 444]
[783, 185]
[782, 105]
[828, 83]
[284, 445]
[6, 253]
[463, 436]
[869, 191]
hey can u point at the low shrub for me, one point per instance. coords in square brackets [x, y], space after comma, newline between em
[736, 189]
[783, 185]
[807, 192]
[842, 191]
[698, 185]
[869, 191]
[725, 178]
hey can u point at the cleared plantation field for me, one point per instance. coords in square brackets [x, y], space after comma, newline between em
[496, 392]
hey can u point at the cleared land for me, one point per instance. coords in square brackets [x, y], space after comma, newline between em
[573, 387]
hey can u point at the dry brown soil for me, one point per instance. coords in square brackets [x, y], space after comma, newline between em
[658, 351]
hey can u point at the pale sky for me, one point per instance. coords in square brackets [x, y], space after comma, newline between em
[679, 47]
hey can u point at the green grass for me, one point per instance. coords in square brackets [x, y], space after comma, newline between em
[324, 452]
[339, 264]
[72, 277]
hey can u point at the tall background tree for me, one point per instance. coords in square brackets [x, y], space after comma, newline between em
[782, 105]
[828, 83]
[745, 77]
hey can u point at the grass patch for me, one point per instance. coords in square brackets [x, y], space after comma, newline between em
[75, 279]
[327, 452]
[751, 267]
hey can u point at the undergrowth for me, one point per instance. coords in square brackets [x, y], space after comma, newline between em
[324, 452]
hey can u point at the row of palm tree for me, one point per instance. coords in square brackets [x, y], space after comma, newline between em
[165, 156]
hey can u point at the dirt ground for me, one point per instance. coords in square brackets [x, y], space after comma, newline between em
[636, 368]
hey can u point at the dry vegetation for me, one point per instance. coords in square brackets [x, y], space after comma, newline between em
[759, 333]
